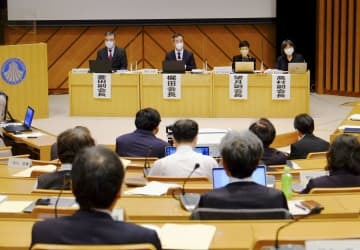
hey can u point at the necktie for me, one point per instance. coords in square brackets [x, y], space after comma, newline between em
[110, 55]
[178, 56]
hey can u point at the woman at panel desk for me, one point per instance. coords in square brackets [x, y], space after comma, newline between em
[288, 55]
[244, 54]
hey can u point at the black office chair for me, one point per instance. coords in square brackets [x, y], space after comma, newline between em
[240, 214]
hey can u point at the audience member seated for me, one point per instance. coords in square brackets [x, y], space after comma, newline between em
[183, 161]
[241, 153]
[308, 142]
[343, 164]
[97, 176]
[143, 142]
[68, 144]
[244, 55]
[266, 132]
[288, 55]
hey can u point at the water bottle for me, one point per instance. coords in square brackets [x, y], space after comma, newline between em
[286, 182]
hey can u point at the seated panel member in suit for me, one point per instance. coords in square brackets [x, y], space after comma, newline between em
[97, 176]
[343, 163]
[112, 53]
[143, 142]
[244, 55]
[308, 142]
[266, 132]
[288, 55]
[69, 143]
[182, 162]
[181, 54]
[241, 153]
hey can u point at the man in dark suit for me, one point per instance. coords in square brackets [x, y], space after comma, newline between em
[180, 54]
[112, 53]
[68, 144]
[241, 153]
[308, 142]
[143, 142]
[97, 176]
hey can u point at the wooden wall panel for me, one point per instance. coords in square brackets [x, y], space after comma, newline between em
[338, 47]
[70, 47]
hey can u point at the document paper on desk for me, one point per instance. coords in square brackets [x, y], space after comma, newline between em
[153, 188]
[296, 208]
[342, 244]
[177, 236]
[13, 206]
[27, 172]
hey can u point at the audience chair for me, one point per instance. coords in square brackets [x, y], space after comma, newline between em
[335, 190]
[200, 179]
[93, 247]
[140, 161]
[240, 214]
[284, 140]
[316, 155]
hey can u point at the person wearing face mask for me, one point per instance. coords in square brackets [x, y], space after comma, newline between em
[180, 54]
[111, 52]
[288, 55]
[244, 54]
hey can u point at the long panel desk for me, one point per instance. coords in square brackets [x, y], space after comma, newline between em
[124, 99]
[348, 122]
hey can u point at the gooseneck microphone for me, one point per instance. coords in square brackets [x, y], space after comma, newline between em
[66, 181]
[313, 210]
[189, 201]
[146, 162]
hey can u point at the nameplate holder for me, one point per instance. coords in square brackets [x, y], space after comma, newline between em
[149, 71]
[19, 163]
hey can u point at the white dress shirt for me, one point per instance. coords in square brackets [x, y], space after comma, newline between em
[182, 162]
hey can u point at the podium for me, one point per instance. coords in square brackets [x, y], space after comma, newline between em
[24, 78]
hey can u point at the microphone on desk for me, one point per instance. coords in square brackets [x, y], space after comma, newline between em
[66, 181]
[10, 116]
[313, 210]
[146, 162]
[191, 200]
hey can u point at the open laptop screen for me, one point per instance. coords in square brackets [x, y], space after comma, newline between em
[29, 117]
[220, 179]
[201, 150]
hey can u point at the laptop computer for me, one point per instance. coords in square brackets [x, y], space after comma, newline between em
[202, 150]
[244, 67]
[297, 68]
[100, 66]
[26, 126]
[220, 178]
[173, 67]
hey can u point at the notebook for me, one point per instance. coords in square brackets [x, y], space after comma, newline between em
[220, 178]
[201, 150]
[26, 126]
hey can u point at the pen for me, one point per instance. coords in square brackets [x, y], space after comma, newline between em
[301, 207]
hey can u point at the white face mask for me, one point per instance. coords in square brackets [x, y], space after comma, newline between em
[109, 44]
[179, 46]
[244, 52]
[289, 51]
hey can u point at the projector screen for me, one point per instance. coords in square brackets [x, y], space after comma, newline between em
[67, 10]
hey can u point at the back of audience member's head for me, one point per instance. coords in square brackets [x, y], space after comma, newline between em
[147, 119]
[304, 123]
[72, 141]
[185, 131]
[265, 130]
[241, 153]
[97, 175]
[355, 161]
[339, 154]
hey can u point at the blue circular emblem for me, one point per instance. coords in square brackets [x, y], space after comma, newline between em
[13, 71]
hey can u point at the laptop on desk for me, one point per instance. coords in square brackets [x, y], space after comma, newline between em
[26, 126]
[202, 150]
[173, 67]
[244, 67]
[297, 68]
[100, 66]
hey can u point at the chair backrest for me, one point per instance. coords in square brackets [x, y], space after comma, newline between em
[51, 192]
[239, 214]
[93, 247]
[140, 161]
[285, 139]
[316, 155]
[335, 190]
[4, 160]
[177, 179]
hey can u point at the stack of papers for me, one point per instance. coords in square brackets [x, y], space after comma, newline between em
[355, 117]
[27, 172]
[176, 236]
[153, 188]
[13, 206]
[29, 135]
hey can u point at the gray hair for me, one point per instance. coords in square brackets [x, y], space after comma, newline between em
[241, 152]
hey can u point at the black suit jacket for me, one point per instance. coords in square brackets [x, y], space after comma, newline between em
[273, 156]
[243, 195]
[306, 145]
[188, 59]
[336, 179]
[239, 58]
[119, 60]
[282, 61]
[53, 180]
[91, 227]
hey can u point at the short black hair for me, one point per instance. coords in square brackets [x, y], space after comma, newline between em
[265, 130]
[147, 119]
[244, 43]
[97, 175]
[304, 123]
[71, 141]
[185, 130]
[339, 154]
[177, 35]
[109, 33]
[285, 43]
